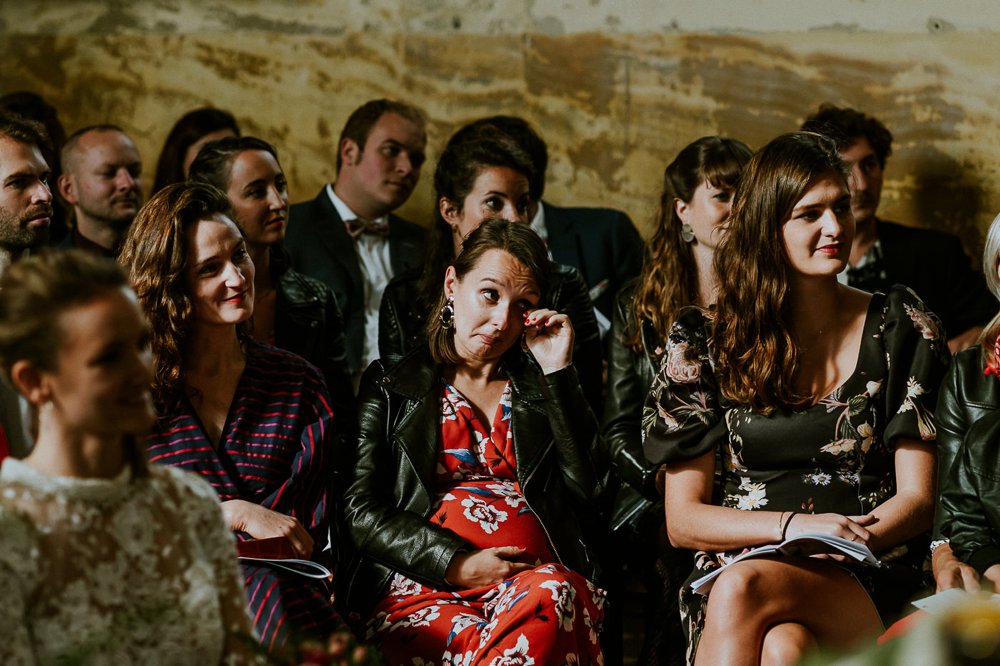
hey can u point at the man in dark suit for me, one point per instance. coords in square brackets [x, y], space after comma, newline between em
[347, 236]
[601, 243]
[930, 262]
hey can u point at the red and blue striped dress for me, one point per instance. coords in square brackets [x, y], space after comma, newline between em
[275, 451]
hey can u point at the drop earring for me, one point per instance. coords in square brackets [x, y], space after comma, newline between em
[447, 314]
[687, 233]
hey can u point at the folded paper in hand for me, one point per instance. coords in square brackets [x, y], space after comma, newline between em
[804, 544]
[278, 552]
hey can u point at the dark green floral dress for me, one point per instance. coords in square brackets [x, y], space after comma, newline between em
[833, 457]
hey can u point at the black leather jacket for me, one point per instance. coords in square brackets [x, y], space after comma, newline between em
[403, 316]
[390, 490]
[967, 396]
[308, 322]
[630, 374]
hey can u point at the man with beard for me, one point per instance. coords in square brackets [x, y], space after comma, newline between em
[25, 216]
[102, 182]
[347, 236]
[930, 262]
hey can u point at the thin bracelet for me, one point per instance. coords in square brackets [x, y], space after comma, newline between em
[784, 528]
[781, 519]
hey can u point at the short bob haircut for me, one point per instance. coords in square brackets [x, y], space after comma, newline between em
[155, 254]
[34, 292]
[517, 240]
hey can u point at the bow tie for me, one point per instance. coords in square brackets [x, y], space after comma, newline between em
[357, 227]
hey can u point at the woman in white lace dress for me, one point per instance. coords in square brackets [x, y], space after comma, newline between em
[105, 559]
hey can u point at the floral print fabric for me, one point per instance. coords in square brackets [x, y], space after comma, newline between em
[545, 615]
[835, 456]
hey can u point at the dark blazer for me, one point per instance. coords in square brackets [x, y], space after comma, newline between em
[601, 243]
[403, 319]
[391, 491]
[320, 247]
[308, 322]
[934, 265]
[966, 396]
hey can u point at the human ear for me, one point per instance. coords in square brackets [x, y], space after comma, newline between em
[350, 152]
[450, 280]
[66, 188]
[682, 209]
[30, 382]
[451, 212]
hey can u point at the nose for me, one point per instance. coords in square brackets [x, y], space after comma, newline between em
[277, 198]
[830, 223]
[512, 214]
[858, 181]
[41, 193]
[403, 163]
[501, 318]
[125, 180]
[234, 276]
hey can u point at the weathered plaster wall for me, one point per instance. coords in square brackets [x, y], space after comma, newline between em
[616, 88]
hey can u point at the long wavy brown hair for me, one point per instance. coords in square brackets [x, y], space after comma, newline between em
[756, 357]
[155, 256]
[669, 278]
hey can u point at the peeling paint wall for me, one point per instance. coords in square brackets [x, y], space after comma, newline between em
[616, 88]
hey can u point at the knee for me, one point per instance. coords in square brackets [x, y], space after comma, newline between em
[738, 588]
[786, 644]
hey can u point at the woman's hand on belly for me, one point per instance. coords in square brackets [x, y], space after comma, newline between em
[261, 523]
[488, 566]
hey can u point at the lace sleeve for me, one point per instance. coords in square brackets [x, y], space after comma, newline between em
[682, 414]
[241, 645]
[17, 572]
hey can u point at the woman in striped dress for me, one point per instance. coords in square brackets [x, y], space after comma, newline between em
[255, 421]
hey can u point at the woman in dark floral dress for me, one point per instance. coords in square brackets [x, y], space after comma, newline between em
[818, 399]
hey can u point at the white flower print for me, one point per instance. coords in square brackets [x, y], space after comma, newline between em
[925, 324]
[458, 659]
[508, 491]
[839, 446]
[755, 497]
[564, 595]
[678, 367]
[867, 436]
[420, 618]
[488, 517]
[872, 388]
[401, 586]
[925, 421]
[817, 478]
[515, 656]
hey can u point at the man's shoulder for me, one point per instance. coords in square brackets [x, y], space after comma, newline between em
[400, 225]
[893, 232]
[596, 216]
[311, 209]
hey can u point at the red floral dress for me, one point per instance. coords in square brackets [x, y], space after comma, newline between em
[545, 615]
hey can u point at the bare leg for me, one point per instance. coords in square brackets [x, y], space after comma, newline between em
[785, 644]
[752, 596]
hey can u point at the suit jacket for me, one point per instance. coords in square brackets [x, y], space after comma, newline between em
[601, 243]
[320, 247]
[933, 264]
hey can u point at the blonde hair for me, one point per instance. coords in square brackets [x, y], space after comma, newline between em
[991, 261]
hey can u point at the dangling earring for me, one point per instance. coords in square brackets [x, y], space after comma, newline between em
[687, 233]
[447, 315]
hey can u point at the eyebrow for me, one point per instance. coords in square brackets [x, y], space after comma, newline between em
[198, 264]
[26, 174]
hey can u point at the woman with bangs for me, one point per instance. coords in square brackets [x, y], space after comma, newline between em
[678, 271]
[818, 400]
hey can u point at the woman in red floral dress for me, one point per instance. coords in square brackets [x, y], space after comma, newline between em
[474, 463]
